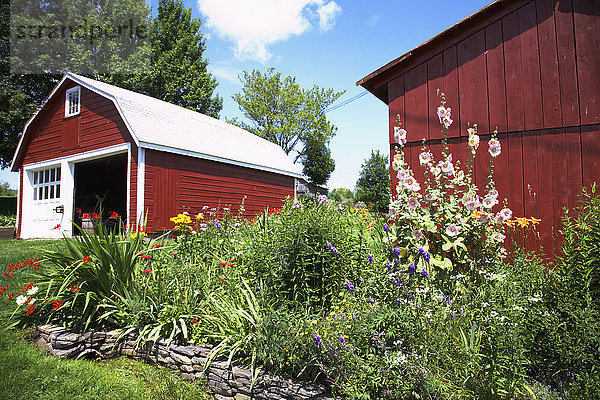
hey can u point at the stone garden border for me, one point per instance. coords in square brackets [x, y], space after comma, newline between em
[227, 382]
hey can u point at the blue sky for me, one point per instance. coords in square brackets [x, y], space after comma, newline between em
[327, 43]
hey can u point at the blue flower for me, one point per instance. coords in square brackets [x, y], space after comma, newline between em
[424, 273]
[317, 339]
[349, 285]
[386, 227]
[453, 315]
[335, 251]
[427, 256]
[217, 224]
[397, 251]
[342, 338]
[389, 266]
[370, 257]
[412, 268]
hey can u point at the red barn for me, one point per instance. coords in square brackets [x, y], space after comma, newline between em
[92, 143]
[531, 70]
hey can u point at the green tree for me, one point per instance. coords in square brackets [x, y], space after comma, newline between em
[178, 72]
[342, 195]
[284, 113]
[168, 66]
[373, 184]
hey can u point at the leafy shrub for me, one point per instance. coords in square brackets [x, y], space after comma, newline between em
[566, 351]
[8, 220]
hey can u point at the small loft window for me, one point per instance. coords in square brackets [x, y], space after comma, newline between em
[72, 101]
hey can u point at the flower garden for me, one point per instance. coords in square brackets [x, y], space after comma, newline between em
[438, 299]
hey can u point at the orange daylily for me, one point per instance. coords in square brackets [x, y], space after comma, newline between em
[476, 214]
[522, 221]
[534, 220]
[510, 222]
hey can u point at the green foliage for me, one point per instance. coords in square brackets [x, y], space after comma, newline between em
[178, 72]
[342, 195]
[565, 332]
[282, 112]
[373, 185]
[304, 253]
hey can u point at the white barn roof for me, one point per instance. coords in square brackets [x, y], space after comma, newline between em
[156, 124]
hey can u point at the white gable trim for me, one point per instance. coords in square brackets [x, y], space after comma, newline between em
[87, 86]
[141, 176]
[194, 154]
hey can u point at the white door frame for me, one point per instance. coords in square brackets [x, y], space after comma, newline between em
[67, 187]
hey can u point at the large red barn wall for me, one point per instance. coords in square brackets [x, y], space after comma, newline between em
[532, 73]
[175, 183]
[98, 125]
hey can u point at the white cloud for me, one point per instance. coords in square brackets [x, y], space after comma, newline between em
[224, 71]
[254, 25]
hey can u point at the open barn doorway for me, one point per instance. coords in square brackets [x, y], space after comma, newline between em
[100, 187]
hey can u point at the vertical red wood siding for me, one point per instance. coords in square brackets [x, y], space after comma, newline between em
[51, 135]
[175, 183]
[532, 71]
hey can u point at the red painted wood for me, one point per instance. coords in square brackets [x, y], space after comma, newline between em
[98, 125]
[472, 77]
[560, 183]
[549, 64]
[450, 73]
[587, 39]
[393, 177]
[396, 104]
[531, 171]
[574, 166]
[515, 173]
[415, 103]
[501, 170]
[513, 74]
[590, 148]
[435, 86]
[569, 94]
[546, 202]
[495, 76]
[530, 67]
[175, 183]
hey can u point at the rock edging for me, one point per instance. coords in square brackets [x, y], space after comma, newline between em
[227, 382]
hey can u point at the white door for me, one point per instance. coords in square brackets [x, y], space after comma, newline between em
[41, 209]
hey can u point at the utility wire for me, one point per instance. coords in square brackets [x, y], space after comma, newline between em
[350, 100]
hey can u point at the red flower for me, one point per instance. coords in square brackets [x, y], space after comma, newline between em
[113, 214]
[173, 254]
[57, 304]
[30, 309]
[223, 263]
[155, 246]
[222, 281]
[146, 271]
[10, 296]
[3, 288]
[195, 320]
[87, 259]
[56, 227]
[97, 216]
[74, 289]
[86, 216]
[8, 275]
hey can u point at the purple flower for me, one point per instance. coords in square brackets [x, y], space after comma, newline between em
[317, 339]
[453, 315]
[386, 227]
[389, 266]
[371, 300]
[349, 285]
[412, 268]
[217, 224]
[424, 273]
[322, 198]
[397, 251]
[335, 251]
[427, 256]
[258, 289]
[370, 257]
[342, 338]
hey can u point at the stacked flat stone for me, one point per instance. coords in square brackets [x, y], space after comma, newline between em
[226, 381]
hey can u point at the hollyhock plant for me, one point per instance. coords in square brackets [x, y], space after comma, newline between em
[453, 224]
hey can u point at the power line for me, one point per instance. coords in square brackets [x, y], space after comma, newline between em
[350, 100]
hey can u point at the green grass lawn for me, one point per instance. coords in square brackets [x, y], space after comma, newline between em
[26, 372]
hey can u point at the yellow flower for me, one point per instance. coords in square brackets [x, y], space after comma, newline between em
[534, 220]
[510, 222]
[522, 222]
[476, 214]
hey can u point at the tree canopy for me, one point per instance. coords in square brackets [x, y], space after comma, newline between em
[168, 64]
[282, 112]
[373, 184]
